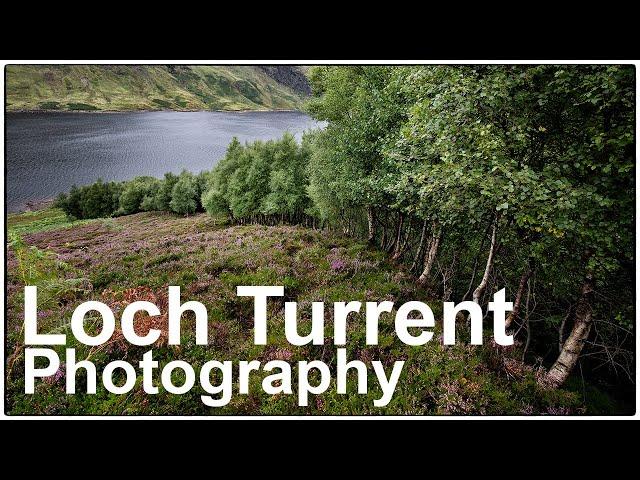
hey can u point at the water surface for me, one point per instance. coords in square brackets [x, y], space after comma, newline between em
[47, 153]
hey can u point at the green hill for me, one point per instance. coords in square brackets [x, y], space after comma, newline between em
[151, 87]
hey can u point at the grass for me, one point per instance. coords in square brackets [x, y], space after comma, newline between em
[40, 221]
[127, 87]
[72, 262]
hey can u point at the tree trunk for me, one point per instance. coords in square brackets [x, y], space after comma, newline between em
[430, 258]
[416, 259]
[477, 293]
[403, 244]
[388, 246]
[524, 279]
[527, 323]
[574, 344]
[475, 270]
[407, 236]
[562, 326]
[398, 239]
[372, 228]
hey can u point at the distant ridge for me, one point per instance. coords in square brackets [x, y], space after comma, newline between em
[154, 87]
[290, 76]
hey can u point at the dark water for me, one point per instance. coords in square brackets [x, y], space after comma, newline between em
[47, 153]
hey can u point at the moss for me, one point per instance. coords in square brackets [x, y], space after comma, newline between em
[81, 106]
[49, 105]
[162, 103]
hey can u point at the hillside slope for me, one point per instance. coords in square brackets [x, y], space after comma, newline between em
[292, 77]
[72, 262]
[150, 87]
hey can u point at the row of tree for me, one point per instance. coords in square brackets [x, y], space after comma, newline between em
[481, 177]
[174, 193]
[263, 182]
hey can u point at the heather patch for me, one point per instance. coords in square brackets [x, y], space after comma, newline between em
[136, 257]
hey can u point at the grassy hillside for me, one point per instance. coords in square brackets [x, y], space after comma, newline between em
[72, 262]
[126, 87]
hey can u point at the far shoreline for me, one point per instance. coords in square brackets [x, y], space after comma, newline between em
[284, 110]
[33, 206]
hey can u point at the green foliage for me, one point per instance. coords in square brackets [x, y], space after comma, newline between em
[179, 194]
[544, 153]
[184, 194]
[215, 203]
[136, 192]
[363, 118]
[287, 179]
[261, 179]
[215, 198]
[92, 201]
[163, 195]
[555, 182]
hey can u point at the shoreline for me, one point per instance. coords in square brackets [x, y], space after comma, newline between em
[44, 203]
[150, 111]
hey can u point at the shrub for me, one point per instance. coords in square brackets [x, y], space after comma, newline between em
[162, 103]
[100, 199]
[92, 201]
[215, 203]
[163, 195]
[184, 196]
[81, 106]
[134, 193]
[49, 105]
